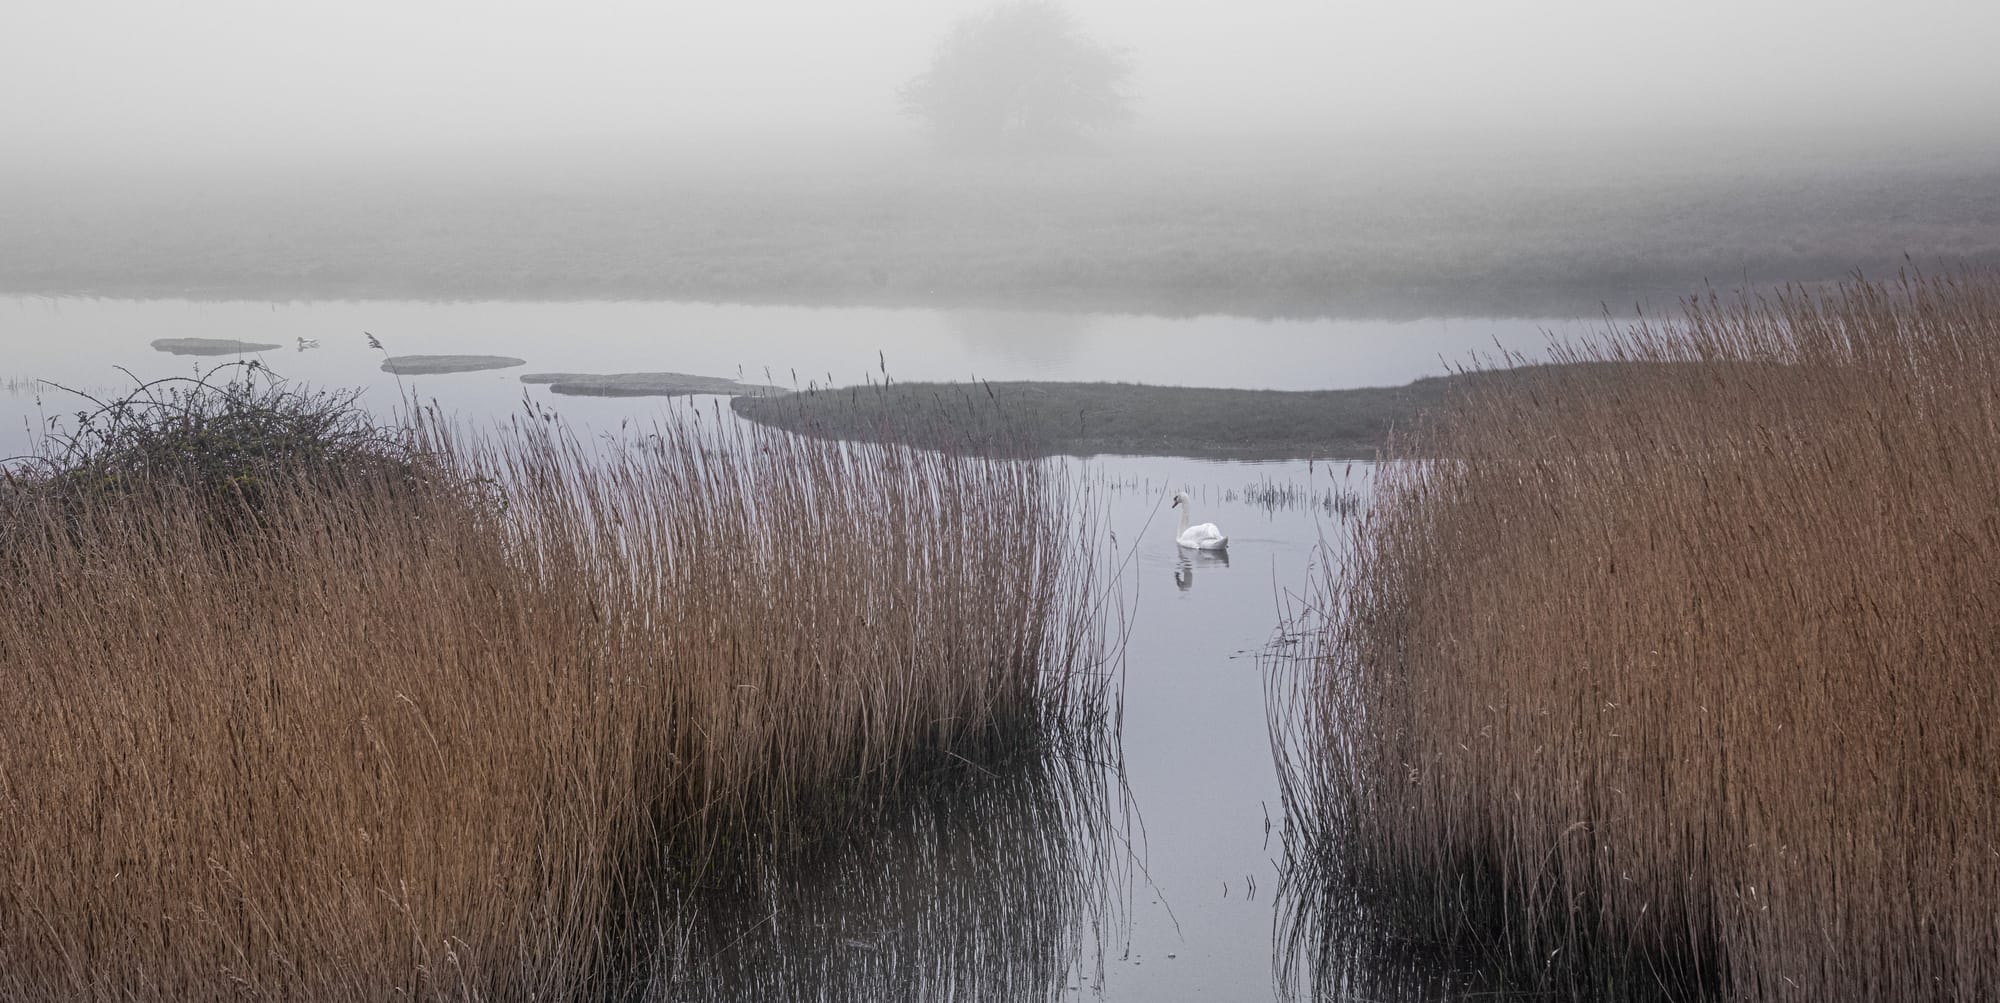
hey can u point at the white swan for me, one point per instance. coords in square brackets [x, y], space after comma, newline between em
[1202, 537]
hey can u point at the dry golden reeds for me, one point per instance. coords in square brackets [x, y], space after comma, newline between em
[1670, 669]
[477, 736]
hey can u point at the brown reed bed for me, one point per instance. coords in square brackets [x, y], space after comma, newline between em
[483, 734]
[1671, 672]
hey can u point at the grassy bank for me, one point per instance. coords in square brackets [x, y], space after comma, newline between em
[1175, 231]
[1085, 419]
[1678, 680]
[475, 719]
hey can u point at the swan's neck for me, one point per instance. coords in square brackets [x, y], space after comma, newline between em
[1184, 520]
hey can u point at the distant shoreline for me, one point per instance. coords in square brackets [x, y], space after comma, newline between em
[1402, 304]
[1113, 237]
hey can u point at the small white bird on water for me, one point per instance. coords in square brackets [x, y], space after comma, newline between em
[1203, 537]
[305, 343]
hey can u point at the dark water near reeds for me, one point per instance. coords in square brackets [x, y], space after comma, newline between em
[1150, 876]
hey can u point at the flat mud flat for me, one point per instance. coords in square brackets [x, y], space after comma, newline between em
[1088, 419]
[432, 365]
[210, 346]
[645, 385]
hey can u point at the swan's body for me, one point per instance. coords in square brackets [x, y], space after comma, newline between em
[1203, 537]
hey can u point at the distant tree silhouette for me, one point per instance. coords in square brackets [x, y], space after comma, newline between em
[1021, 77]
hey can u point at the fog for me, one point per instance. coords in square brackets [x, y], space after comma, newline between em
[1261, 157]
[132, 83]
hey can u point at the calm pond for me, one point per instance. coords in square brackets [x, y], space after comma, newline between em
[1159, 891]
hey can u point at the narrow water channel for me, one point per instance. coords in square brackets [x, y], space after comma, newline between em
[1197, 755]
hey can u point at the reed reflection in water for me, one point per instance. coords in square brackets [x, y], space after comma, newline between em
[989, 884]
[1332, 949]
[1330, 946]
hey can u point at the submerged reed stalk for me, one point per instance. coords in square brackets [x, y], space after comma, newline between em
[475, 735]
[1669, 669]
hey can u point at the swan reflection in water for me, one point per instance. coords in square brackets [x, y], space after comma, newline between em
[1192, 559]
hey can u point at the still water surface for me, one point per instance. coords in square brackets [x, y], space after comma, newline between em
[77, 342]
[1159, 890]
[1197, 757]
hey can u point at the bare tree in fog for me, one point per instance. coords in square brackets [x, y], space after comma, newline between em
[1021, 77]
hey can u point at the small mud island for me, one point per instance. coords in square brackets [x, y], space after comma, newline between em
[1084, 419]
[432, 365]
[210, 346]
[1135, 419]
[645, 385]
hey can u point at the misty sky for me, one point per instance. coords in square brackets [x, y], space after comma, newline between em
[117, 80]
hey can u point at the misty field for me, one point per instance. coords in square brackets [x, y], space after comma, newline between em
[480, 717]
[1677, 678]
[1181, 229]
